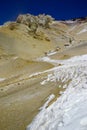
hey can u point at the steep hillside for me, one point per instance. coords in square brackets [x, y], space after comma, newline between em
[29, 50]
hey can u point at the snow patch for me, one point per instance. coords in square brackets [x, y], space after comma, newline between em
[15, 58]
[69, 111]
[70, 21]
[51, 53]
[83, 121]
[49, 99]
[82, 31]
[2, 79]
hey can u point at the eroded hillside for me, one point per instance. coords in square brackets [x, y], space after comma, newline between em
[24, 44]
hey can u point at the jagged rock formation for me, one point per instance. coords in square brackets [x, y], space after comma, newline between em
[34, 21]
[34, 24]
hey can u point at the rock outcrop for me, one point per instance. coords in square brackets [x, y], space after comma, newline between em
[34, 21]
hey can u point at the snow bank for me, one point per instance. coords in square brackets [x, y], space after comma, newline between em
[82, 31]
[50, 98]
[69, 112]
[2, 79]
[51, 53]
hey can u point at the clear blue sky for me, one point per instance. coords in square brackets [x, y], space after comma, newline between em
[59, 9]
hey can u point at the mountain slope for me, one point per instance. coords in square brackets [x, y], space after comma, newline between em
[30, 48]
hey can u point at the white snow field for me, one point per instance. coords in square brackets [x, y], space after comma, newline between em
[69, 111]
[82, 31]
